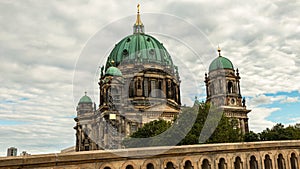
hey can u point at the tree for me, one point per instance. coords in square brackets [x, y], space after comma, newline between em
[251, 136]
[149, 130]
[201, 121]
[152, 128]
[211, 126]
[279, 132]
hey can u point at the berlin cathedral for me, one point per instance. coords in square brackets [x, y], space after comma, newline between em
[139, 84]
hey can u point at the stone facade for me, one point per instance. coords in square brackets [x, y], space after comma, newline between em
[256, 155]
[223, 90]
[139, 84]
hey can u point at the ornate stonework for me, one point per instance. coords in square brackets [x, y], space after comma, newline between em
[139, 84]
[223, 90]
[255, 155]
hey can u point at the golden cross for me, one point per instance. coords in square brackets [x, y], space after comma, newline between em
[138, 7]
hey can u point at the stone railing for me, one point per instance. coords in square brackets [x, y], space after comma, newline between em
[256, 155]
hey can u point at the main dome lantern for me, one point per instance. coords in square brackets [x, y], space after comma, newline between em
[139, 48]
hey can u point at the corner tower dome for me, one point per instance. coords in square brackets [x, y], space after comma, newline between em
[85, 99]
[220, 63]
[113, 71]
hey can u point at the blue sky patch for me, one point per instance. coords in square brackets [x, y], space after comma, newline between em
[24, 98]
[288, 112]
[10, 122]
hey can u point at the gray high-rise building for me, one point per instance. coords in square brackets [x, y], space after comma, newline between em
[12, 151]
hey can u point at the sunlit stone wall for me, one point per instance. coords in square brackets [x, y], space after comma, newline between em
[256, 155]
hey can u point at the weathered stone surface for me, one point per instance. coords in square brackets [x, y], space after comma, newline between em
[161, 156]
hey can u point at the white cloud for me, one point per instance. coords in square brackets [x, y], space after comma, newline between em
[293, 121]
[262, 99]
[290, 100]
[40, 42]
[258, 121]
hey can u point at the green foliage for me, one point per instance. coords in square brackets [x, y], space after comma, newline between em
[251, 136]
[151, 129]
[203, 124]
[279, 132]
[151, 134]
[211, 126]
[226, 132]
[201, 121]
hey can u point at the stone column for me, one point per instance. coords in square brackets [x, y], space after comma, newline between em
[298, 159]
[273, 161]
[259, 162]
[243, 126]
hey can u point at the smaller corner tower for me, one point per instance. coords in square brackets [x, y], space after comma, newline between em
[12, 151]
[223, 90]
[84, 124]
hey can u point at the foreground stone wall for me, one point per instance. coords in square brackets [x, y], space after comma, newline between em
[257, 155]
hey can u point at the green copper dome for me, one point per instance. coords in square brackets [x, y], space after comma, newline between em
[85, 99]
[220, 63]
[113, 71]
[141, 48]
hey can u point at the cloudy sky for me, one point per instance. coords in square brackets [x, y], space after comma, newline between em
[51, 52]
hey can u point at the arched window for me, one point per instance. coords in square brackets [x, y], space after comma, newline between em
[169, 89]
[220, 87]
[114, 91]
[106, 96]
[107, 168]
[86, 148]
[129, 167]
[131, 89]
[280, 162]
[174, 90]
[268, 162]
[150, 166]
[212, 89]
[146, 88]
[222, 164]
[159, 89]
[114, 94]
[101, 97]
[153, 88]
[139, 84]
[238, 163]
[253, 163]
[188, 165]
[170, 165]
[230, 87]
[294, 161]
[205, 164]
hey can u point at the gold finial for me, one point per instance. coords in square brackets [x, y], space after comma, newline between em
[219, 50]
[138, 17]
[85, 92]
[138, 7]
[112, 62]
